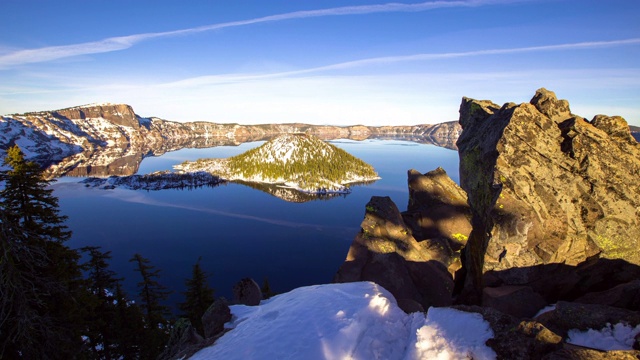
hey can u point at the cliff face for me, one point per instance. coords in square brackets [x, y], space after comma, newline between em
[110, 139]
[546, 187]
[550, 208]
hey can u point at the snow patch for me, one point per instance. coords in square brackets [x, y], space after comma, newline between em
[611, 337]
[348, 321]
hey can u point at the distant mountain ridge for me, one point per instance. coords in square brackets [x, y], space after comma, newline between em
[300, 161]
[97, 137]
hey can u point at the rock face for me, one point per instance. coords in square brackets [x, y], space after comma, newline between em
[386, 253]
[546, 187]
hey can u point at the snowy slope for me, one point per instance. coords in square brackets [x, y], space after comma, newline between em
[33, 142]
[348, 321]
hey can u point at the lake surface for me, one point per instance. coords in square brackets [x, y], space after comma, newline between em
[236, 230]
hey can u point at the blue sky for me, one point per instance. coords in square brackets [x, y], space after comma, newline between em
[323, 62]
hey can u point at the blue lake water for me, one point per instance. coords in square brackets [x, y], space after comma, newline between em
[238, 231]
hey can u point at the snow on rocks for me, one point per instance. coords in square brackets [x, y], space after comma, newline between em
[348, 321]
[611, 337]
[154, 181]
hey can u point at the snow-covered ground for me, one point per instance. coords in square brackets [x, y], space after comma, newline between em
[348, 321]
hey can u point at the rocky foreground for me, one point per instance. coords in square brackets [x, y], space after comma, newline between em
[548, 212]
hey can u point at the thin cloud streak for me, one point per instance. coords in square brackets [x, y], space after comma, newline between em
[237, 78]
[124, 42]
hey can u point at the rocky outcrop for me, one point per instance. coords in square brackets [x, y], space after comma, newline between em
[552, 199]
[386, 253]
[118, 114]
[546, 187]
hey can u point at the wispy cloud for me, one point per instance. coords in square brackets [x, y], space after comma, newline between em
[124, 42]
[237, 78]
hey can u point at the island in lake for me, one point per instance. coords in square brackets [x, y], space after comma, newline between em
[298, 161]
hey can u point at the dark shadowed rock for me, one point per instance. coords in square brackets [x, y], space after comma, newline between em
[215, 317]
[184, 341]
[626, 296]
[546, 187]
[247, 292]
[567, 316]
[386, 253]
[517, 301]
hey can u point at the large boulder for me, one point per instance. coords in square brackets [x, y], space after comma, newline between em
[546, 188]
[385, 252]
[215, 317]
[247, 292]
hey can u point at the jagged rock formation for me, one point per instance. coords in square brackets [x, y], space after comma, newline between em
[413, 254]
[91, 140]
[385, 252]
[546, 187]
[553, 201]
[300, 161]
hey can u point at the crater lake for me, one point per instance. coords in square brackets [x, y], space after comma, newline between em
[236, 230]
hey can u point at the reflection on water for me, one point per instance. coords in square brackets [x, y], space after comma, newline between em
[238, 231]
[117, 161]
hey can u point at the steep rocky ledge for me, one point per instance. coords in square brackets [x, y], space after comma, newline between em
[550, 211]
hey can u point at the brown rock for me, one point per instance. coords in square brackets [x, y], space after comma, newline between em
[514, 339]
[438, 215]
[575, 353]
[546, 187]
[386, 253]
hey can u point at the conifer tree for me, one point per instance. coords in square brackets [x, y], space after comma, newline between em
[198, 297]
[152, 293]
[101, 285]
[266, 289]
[40, 283]
[128, 320]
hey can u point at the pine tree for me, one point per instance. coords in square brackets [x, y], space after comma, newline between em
[40, 282]
[151, 294]
[28, 201]
[101, 285]
[129, 322]
[266, 289]
[198, 297]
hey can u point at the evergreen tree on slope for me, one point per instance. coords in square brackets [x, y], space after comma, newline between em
[198, 297]
[40, 282]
